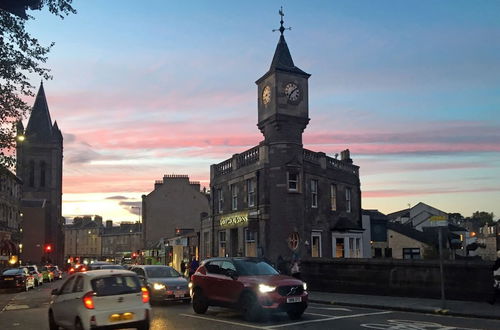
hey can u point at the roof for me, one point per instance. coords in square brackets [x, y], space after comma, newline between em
[375, 214]
[408, 231]
[40, 123]
[282, 61]
[104, 272]
[405, 213]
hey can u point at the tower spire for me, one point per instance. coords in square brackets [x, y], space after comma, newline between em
[40, 123]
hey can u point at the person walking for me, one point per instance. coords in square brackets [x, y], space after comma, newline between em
[183, 267]
[295, 270]
[193, 266]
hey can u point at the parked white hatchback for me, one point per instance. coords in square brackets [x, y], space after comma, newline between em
[111, 298]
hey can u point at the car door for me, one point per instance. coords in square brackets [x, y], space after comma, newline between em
[59, 307]
[212, 282]
[231, 288]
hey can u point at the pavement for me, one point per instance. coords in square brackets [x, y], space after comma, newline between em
[419, 305]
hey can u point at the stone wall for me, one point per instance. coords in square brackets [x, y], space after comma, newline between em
[464, 280]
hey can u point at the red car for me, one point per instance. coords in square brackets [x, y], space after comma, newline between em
[249, 284]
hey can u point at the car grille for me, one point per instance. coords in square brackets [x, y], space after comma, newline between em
[290, 290]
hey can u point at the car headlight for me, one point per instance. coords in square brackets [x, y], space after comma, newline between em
[159, 286]
[266, 288]
[304, 285]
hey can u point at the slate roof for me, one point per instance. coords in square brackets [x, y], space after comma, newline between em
[408, 231]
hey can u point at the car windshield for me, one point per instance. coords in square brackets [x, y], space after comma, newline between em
[31, 269]
[248, 267]
[13, 271]
[161, 272]
[115, 285]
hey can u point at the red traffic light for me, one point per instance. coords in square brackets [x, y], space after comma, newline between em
[48, 248]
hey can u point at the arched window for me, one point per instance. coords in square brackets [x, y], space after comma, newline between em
[31, 169]
[42, 173]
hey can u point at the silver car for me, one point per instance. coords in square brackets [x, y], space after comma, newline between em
[163, 282]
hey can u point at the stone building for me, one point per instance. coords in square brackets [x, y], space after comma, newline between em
[174, 203]
[10, 217]
[278, 198]
[39, 165]
[82, 239]
[120, 241]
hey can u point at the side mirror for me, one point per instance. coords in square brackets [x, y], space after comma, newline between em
[232, 274]
[55, 292]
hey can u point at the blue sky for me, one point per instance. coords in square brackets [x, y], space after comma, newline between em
[147, 88]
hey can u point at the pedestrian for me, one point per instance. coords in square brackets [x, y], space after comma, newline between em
[183, 267]
[281, 266]
[193, 266]
[295, 270]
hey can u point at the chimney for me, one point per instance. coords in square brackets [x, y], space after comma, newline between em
[109, 223]
[345, 156]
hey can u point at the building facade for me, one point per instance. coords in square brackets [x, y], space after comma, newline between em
[174, 203]
[82, 240]
[39, 165]
[10, 218]
[122, 241]
[278, 198]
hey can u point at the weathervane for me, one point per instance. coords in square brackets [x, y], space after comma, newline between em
[282, 28]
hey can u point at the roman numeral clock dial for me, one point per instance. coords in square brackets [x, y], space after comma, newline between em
[292, 92]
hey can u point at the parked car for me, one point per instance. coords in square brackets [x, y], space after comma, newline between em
[57, 272]
[77, 268]
[47, 273]
[249, 284]
[163, 282]
[33, 270]
[101, 298]
[17, 278]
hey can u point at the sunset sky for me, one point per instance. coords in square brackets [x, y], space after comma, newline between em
[147, 88]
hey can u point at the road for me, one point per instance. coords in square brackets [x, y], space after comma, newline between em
[28, 310]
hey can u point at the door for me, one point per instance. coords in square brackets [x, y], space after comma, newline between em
[234, 242]
[230, 288]
[61, 312]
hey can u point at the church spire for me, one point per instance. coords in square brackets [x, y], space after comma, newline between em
[40, 124]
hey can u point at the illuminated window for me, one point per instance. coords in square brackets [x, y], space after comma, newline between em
[250, 243]
[316, 245]
[234, 197]
[333, 197]
[222, 243]
[293, 181]
[348, 200]
[314, 193]
[251, 192]
[339, 247]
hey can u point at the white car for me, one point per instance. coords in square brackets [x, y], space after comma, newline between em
[100, 298]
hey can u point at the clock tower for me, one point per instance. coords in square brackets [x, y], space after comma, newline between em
[283, 98]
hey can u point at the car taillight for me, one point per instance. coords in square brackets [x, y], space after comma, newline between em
[71, 270]
[83, 269]
[88, 300]
[145, 295]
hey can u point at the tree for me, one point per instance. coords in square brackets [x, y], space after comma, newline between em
[483, 218]
[20, 54]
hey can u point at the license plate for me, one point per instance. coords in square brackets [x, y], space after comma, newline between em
[121, 317]
[293, 299]
[8, 278]
[179, 294]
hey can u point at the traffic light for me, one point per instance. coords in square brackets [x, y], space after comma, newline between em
[47, 248]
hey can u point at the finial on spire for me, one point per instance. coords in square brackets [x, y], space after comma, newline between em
[282, 28]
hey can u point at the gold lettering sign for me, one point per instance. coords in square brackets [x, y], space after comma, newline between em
[234, 219]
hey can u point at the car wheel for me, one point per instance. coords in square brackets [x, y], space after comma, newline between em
[250, 307]
[296, 313]
[52, 323]
[78, 324]
[200, 303]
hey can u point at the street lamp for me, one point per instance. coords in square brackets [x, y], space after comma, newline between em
[140, 210]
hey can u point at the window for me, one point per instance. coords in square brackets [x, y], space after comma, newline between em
[314, 193]
[115, 285]
[42, 174]
[339, 248]
[234, 197]
[348, 200]
[411, 253]
[293, 181]
[250, 243]
[251, 192]
[333, 197]
[348, 245]
[66, 288]
[220, 201]
[206, 244]
[377, 253]
[78, 284]
[222, 243]
[316, 245]
[388, 252]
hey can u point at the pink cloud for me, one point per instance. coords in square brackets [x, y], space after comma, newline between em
[391, 193]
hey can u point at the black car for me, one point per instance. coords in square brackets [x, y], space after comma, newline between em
[17, 278]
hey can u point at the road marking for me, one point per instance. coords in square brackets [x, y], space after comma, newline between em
[316, 314]
[332, 308]
[327, 319]
[223, 321]
[14, 307]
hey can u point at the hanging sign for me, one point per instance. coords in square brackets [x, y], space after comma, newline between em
[293, 241]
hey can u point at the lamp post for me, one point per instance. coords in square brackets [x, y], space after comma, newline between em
[140, 210]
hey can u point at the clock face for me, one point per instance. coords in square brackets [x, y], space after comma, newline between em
[266, 95]
[292, 92]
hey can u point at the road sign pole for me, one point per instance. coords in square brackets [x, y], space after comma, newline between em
[443, 301]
